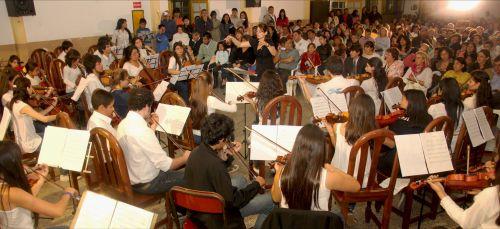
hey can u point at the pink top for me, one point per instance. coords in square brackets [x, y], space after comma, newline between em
[396, 69]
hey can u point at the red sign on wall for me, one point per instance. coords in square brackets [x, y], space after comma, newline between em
[137, 5]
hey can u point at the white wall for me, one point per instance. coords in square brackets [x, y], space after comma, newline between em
[78, 18]
[6, 37]
[295, 9]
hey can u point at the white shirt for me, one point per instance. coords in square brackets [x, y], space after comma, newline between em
[7, 97]
[301, 46]
[143, 153]
[131, 69]
[17, 218]
[315, 41]
[24, 130]
[99, 120]
[338, 83]
[143, 53]
[105, 60]
[370, 88]
[182, 37]
[323, 194]
[482, 214]
[470, 102]
[69, 77]
[120, 38]
[425, 76]
[93, 83]
[62, 56]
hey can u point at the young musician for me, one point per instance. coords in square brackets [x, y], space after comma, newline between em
[65, 47]
[18, 198]
[7, 92]
[305, 182]
[176, 62]
[14, 63]
[203, 102]
[131, 59]
[361, 121]
[144, 50]
[483, 213]
[120, 93]
[482, 96]
[104, 52]
[93, 66]
[33, 71]
[377, 82]
[103, 104]
[270, 87]
[206, 171]
[150, 170]
[23, 116]
[335, 68]
[72, 70]
[121, 36]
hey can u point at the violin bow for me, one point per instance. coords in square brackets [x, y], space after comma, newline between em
[321, 90]
[240, 157]
[241, 78]
[267, 139]
[170, 138]
[76, 197]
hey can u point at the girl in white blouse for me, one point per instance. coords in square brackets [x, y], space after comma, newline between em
[484, 212]
[23, 115]
[104, 52]
[419, 76]
[203, 102]
[144, 50]
[72, 70]
[121, 36]
[18, 198]
[33, 71]
[132, 64]
[177, 61]
[376, 83]
[482, 96]
[306, 180]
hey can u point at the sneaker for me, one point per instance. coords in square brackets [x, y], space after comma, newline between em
[233, 168]
[63, 177]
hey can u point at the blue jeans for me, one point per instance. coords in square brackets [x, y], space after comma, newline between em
[161, 183]
[261, 204]
[197, 139]
[182, 88]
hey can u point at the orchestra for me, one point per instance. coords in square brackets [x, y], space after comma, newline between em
[373, 78]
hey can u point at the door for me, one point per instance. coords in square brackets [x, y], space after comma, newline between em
[319, 11]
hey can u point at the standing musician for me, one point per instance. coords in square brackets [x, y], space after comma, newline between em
[177, 61]
[103, 104]
[19, 200]
[203, 103]
[306, 180]
[72, 70]
[206, 171]
[104, 52]
[94, 67]
[28, 138]
[119, 90]
[150, 170]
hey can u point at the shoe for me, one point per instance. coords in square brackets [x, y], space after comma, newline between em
[63, 177]
[233, 168]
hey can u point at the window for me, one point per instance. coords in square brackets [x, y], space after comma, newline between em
[337, 5]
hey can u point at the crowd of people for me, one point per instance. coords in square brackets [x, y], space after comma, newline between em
[432, 58]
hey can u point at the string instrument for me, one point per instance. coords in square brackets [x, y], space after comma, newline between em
[29, 170]
[250, 94]
[115, 120]
[388, 119]
[467, 93]
[458, 181]
[360, 77]
[312, 79]
[241, 78]
[282, 160]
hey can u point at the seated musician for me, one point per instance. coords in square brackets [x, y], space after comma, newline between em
[72, 70]
[104, 52]
[103, 104]
[10, 76]
[482, 96]
[361, 121]
[144, 50]
[177, 61]
[308, 188]
[23, 116]
[150, 170]
[484, 212]
[19, 198]
[93, 66]
[206, 171]
[203, 103]
[120, 93]
[33, 70]
[131, 60]
[270, 87]
[14, 64]
[335, 68]
[65, 47]
[377, 81]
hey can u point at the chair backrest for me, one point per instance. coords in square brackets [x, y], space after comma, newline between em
[186, 138]
[92, 49]
[56, 75]
[39, 56]
[58, 50]
[195, 200]
[279, 106]
[109, 163]
[163, 61]
[351, 92]
[63, 120]
[371, 143]
[443, 123]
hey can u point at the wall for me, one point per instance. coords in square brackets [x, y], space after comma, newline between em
[7, 37]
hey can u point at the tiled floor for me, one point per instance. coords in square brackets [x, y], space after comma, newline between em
[52, 194]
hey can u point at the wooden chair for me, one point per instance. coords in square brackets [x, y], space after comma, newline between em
[194, 200]
[164, 58]
[63, 120]
[186, 139]
[443, 123]
[284, 103]
[92, 49]
[40, 58]
[351, 92]
[373, 191]
[56, 76]
[58, 50]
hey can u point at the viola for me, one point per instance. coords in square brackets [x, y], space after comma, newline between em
[458, 181]
[250, 94]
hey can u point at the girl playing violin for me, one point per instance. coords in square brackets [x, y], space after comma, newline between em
[144, 50]
[482, 95]
[120, 93]
[72, 70]
[483, 213]
[18, 200]
[306, 179]
[176, 62]
[33, 70]
[376, 83]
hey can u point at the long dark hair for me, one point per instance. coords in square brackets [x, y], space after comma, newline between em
[284, 14]
[11, 171]
[300, 180]
[416, 112]
[361, 118]
[379, 73]
[178, 59]
[450, 94]
[20, 91]
[119, 24]
[270, 87]
[127, 52]
[198, 101]
[483, 93]
[488, 63]
[228, 20]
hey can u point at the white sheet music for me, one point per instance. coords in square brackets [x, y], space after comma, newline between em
[337, 98]
[128, 216]
[436, 152]
[152, 60]
[321, 106]
[80, 89]
[5, 123]
[75, 149]
[392, 96]
[410, 155]
[235, 89]
[172, 118]
[401, 183]
[473, 128]
[174, 79]
[160, 90]
[53, 143]
[263, 149]
[484, 126]
[96, 211]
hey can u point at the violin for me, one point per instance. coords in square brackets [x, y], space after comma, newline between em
[360, 77]
[385, 120]
[467, 93]
[282, 160]
[313, 79]
[250, 94]
[458, 181]
[333, 118]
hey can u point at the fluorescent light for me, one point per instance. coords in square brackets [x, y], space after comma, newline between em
[462, 5]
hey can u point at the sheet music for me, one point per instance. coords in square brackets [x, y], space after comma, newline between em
[484, 126]
[197, 69]
[235, 89]
[263, 149]
[172, 118]
[128, 216]
[410, 155]
[174, 79]
[401, 183]
[75, 150]
[152, 60]
[183, 74]
[392, 96]
[473, 128]
[95, 211]
[54, 139]
[79, 89]
[321, 106]
[436, 152]
[5, 123]
[160, 90]
[286, 138]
